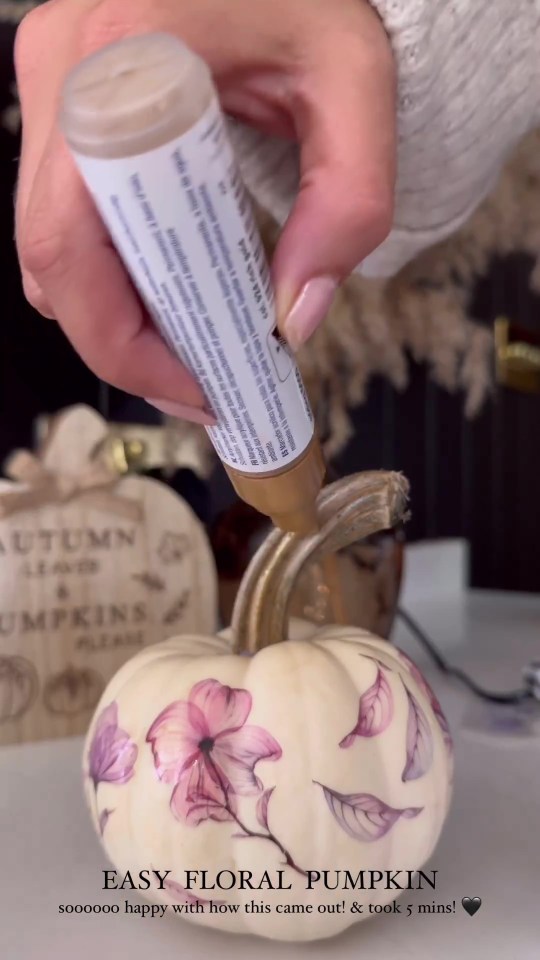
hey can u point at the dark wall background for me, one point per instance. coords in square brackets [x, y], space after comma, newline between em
[472, 479]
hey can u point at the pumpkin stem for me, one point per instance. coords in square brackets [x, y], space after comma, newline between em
[349, 510]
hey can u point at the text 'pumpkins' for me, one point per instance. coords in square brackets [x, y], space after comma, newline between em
[263, 762]
[94, 566]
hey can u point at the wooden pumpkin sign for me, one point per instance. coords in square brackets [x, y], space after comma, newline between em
[94, 566]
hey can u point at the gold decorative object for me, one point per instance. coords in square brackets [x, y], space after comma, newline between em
[125, 455]
[517, 361]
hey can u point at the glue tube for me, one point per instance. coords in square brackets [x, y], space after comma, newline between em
[143, 122]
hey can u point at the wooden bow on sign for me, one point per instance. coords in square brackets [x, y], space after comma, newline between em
[45, 487]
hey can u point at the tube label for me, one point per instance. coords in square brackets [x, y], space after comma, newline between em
[181, 220]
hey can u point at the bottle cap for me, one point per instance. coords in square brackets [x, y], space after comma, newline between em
[133, 95]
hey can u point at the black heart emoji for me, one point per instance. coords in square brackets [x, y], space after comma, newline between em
[471, 906]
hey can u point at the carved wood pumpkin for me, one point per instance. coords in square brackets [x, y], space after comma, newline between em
[18, 687]
[73, 691]
[274, 752]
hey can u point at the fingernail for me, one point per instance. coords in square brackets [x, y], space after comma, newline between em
[183, 411]
[309, 310]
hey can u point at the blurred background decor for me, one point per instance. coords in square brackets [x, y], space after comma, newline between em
[95, 564]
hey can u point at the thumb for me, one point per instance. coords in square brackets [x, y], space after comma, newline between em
[346, 130]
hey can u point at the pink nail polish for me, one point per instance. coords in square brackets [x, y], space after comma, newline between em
[309, 310]
[183, 411]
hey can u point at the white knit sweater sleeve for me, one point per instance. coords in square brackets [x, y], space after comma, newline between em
[469, 89]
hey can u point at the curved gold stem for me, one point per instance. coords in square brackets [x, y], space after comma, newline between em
[349, 510]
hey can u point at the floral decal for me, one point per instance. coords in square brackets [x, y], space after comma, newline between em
[435, 705]
[443, 724]
[419, 741]
[363, 816]
[103, 819]
[111, 757]
[203, 747]
[375, 711]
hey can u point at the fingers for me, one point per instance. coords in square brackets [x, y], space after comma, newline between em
[31, 63]
[35, 296]
[327, 77]
[67, 251]
[345, 122]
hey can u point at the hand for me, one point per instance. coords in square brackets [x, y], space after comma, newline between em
[319, 71]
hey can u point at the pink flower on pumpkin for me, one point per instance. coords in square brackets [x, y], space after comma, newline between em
[112, 754]
[203, 746]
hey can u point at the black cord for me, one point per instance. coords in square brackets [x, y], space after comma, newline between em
[517, 696]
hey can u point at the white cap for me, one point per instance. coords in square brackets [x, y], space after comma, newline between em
[134, 93]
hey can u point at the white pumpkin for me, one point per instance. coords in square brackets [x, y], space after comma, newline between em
[283, 774]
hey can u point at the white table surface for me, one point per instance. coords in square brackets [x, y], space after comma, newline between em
[490, 845]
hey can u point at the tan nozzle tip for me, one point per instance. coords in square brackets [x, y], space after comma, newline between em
[289, 497]
[304, 523]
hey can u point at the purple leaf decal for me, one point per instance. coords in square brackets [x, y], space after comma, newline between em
[443, 724]
[435, 705]
[419, 741]
[417, 675]
[262, 807]
[363, 816]
[375, 711]
[103, 819]
[368, 656]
